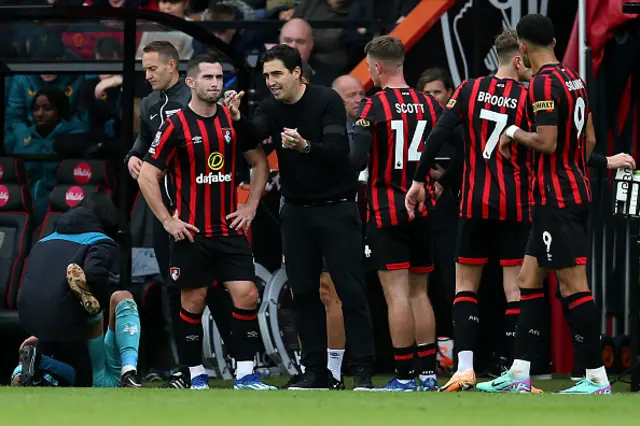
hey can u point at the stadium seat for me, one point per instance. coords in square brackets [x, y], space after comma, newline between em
[63, 197]
[15, 235]
[12, 170]
[86, 172]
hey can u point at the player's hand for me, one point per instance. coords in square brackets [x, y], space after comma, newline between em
[178, 229]
[232, 100]
[622, 160]
[30, 341]
[291, 139]
[437, 190]
[415, 198]
[242, 217]
[134, 165]
[505, 145]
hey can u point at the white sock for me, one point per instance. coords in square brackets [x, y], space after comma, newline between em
[126, 369]
[424, 377]
[334, 362]
[465, 361]
[520, 369]
[197, 370]
[598, 376]
[244, 368]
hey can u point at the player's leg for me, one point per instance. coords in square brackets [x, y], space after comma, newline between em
[36, 369]
[122, 341]
[336, 338]
[390, 255]
[472, 253]
[190, 272]
[512, 244]
[421, 265]
[233, 265]
[569, 249]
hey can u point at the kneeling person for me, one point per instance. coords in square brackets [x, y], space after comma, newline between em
[114, 357]
[81, 248]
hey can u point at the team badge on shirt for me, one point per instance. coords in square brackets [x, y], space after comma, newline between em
[174, 273]
[227, 136]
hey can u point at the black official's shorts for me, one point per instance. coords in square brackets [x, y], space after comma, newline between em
[196, 264]
[404, 246]
[559, 237]
[480, 238]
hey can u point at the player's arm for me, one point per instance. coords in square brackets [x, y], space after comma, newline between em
[590, 136]
[334, 145]
[448, 121]
[157, 159]
[543, 95]
[363, 128]
[97, 264]
[441, 133]
[451, 175]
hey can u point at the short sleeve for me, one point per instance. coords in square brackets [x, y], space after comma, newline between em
[457, 101]
[164, 145]
[543, 97]
[367, 114]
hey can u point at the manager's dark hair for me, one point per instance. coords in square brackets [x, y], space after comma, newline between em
[289, 56]
[435, 74]
[164, 49]
[193, 66]
[103, 208]
[537, 29]
[57, 99]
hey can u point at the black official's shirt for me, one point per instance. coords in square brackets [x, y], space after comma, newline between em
[558, 97]
[400, 120]
[200, 154]
[320, 117]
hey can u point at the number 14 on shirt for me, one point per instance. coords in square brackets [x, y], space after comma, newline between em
[413, 154]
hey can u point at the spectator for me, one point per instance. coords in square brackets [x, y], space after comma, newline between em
[247, 13]
[181, 41]
[297, 33]
[101, 97]
[218, 12]
[285, 8]
[52, 120]
[43, 46]
[330, 44]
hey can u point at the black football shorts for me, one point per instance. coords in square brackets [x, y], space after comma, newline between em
[197, 264]
[559, 237]
[478, 239]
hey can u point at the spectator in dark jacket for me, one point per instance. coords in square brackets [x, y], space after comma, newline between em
[47, 307]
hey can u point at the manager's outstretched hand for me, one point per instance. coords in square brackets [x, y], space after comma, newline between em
[232, 100]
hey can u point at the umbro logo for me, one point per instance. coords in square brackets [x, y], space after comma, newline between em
[196, 139]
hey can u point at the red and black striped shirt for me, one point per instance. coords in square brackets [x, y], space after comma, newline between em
[558, 97]
[400, 121]
[200, 154]
[493, 187]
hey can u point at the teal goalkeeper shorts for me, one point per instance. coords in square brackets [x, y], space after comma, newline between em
[105, 361]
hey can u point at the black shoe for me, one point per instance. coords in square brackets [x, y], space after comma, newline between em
[28, 355]
[362, 380]
[311, 380]
[131, 379]
[335, 384]
[292, 381]
[178, 380]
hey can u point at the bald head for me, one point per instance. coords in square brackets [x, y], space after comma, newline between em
[297, 34]
[352, 93]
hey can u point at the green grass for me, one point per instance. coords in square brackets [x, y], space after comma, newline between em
[220, 406]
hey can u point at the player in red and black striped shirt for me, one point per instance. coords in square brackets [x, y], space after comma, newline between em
[563, 140]
[391, 130]
[199, 147]
[494, 207]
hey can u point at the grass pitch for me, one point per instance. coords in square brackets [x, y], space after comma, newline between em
[50, 406]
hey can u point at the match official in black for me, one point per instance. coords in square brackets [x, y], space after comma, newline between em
[320, 216]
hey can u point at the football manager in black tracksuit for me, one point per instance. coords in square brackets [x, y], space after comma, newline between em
[170, 94]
